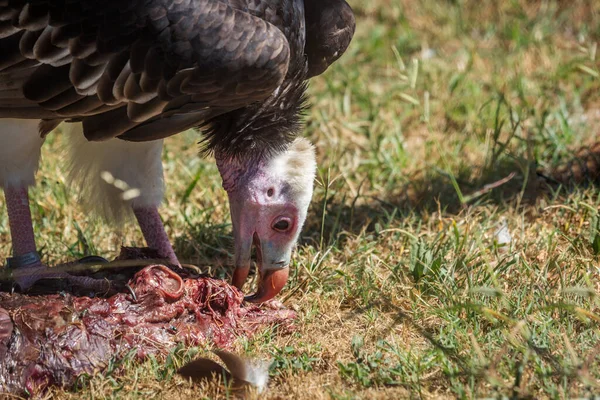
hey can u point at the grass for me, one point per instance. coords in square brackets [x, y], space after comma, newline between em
[403, 287]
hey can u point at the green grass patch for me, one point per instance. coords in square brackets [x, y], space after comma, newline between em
[429, 132]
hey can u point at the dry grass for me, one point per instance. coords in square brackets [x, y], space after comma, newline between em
[401, 286]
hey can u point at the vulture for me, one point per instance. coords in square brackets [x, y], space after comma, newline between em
[129, 73]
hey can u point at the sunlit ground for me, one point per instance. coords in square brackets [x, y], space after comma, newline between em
[401, 283]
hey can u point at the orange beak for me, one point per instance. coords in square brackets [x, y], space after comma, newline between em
[240, 274]
[270, 284]
[272, 277]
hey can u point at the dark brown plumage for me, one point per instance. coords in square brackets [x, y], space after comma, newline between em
[146, 69]
[329, 29]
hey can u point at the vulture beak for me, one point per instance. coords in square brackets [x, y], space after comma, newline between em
[269, 200]
[274, 269]
[273, 249]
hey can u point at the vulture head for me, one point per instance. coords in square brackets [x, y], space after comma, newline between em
[267, 171]
[269, 201]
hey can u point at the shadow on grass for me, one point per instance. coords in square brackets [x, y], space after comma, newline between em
[205, 243]
[506, 184]
[429, 192]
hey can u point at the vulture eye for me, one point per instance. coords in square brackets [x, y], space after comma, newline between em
[270, 192]
[282, 225]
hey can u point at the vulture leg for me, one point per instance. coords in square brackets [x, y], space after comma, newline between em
[154, 232]
[20, 145]
[27, 268]
[25, 255]
[19, 219]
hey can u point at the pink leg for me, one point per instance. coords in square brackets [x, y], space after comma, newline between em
[23, 242]
[154, 232]
[19, 219]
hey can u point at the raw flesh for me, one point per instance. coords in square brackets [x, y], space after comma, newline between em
[51, 339]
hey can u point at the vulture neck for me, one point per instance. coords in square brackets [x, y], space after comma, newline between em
[263, 128]
[235, 172]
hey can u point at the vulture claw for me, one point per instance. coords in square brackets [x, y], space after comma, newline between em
[25, 276]
[131, 292]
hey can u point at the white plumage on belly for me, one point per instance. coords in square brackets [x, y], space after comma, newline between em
[139, 165]
[20, 144]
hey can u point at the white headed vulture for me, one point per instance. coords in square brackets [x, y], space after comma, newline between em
[133, 72]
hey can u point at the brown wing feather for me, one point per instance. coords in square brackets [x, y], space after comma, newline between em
[197, 370]
[118, 65]
[330, 26]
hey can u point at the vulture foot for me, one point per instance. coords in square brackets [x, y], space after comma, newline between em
[36, 276]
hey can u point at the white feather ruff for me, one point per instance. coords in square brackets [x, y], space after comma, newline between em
[20, 145]
[297, 166]
[108, 172]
